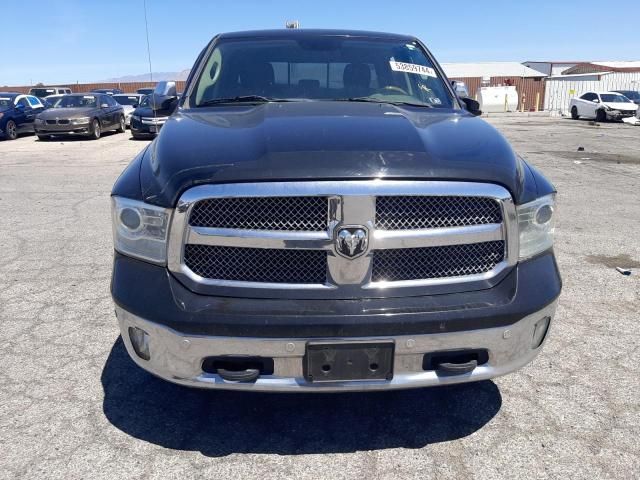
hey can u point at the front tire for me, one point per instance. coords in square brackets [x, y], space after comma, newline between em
[601, 116]
[574, 113]
[44, 138]
[123, 125]
[95, 129]
[11, 130]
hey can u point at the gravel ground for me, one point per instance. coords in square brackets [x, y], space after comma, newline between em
[72, 404]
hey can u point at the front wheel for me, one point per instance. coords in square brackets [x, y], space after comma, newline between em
[574, 113]
[11, 130]
[122, 126]
[95, 129]
[601, 116]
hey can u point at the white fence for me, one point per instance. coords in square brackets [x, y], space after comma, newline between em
[560, 90]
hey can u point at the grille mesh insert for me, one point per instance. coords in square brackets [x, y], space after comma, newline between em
[262, 213]
[257, 264]
[436, 262]
[414, 212]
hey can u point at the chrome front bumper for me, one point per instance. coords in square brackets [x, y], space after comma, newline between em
[178, 358]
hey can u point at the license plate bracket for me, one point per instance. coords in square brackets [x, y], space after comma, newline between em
[348, 361]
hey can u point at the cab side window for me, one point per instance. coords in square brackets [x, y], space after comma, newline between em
[24, 103]
[589, 96]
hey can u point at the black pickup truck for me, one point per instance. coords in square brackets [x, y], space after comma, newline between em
[322, 213]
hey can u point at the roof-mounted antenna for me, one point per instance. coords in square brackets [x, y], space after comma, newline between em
[146, 26]
[292, 24]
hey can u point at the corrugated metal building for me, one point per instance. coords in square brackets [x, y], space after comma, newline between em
[528, 82]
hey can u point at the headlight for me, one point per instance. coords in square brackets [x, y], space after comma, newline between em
[536, 222]
[1, 114]
[40, 121]
[135, 117]
[139, 229]
[80, 121]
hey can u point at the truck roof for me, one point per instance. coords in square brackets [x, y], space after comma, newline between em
[302, 33]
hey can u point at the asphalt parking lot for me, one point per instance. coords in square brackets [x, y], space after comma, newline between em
[72, 404]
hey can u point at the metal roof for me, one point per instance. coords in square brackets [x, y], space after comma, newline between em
[489, 69]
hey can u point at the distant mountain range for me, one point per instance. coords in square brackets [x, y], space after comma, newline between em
[144, 77]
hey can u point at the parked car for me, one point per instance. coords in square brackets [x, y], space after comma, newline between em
[145, 91]
[460, 88]
[17, 113]
[146, 122]
[42, 92]
[602, 106]
[323, 213]
[108, 91]
[129, 102]
[632, 95]
[81, 114]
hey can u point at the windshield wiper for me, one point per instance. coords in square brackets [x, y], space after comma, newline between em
[241, 99]
[378, 100]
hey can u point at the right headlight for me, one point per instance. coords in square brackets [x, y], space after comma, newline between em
[140, 229]
[536, 222]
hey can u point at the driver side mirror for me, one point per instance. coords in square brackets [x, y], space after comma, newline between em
[595, 100]
[472, 106]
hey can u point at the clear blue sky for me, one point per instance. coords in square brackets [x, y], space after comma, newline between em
[58, 41]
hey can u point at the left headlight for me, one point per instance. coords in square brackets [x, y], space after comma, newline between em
[140, 229]
[536, 223]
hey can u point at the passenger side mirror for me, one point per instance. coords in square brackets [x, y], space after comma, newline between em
[104, 105]
[164, 96]
[472, 106]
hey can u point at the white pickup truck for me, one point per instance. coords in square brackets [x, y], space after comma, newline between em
[602, 106]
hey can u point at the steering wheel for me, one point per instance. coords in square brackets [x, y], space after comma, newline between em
[391, 88]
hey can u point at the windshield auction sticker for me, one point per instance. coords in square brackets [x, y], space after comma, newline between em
[412, 68]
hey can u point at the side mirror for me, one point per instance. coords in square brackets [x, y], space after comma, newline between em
[595, 100]
[164, 96]
[19, 106]
[104, 105]
[472, 106]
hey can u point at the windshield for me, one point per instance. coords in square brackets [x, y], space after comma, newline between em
[6, 102]
[71, 101]
[613, 98]
[53, 101]
[127, 99]
[42, 92]
[321, 68]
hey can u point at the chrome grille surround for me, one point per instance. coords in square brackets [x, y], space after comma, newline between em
[348, 203]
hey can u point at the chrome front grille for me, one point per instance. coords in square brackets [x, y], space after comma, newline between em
[399, 264]
[285, 239]
[262, 213]
[414, 212]
[266, 265]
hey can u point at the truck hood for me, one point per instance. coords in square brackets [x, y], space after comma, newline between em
[324, 141]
